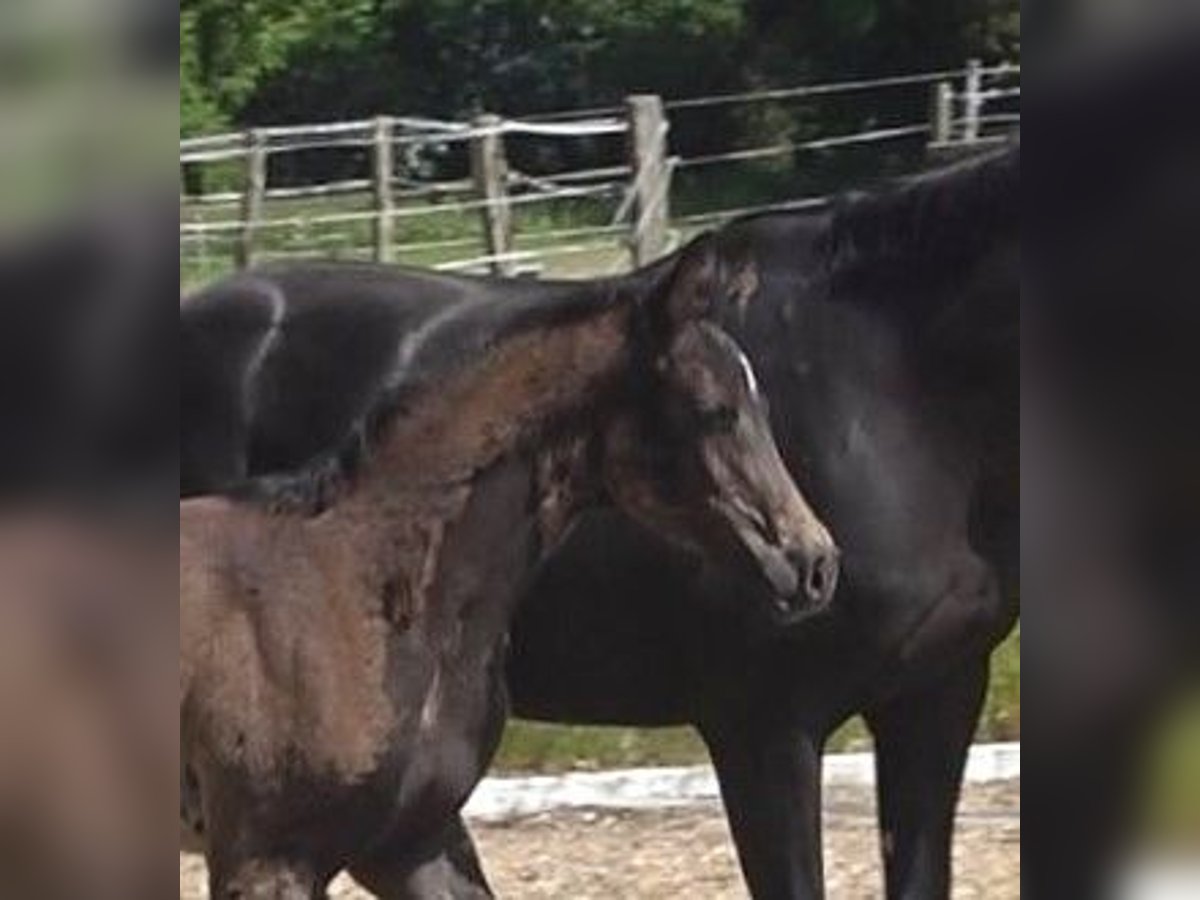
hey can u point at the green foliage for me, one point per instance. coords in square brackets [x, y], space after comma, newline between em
[852, 18]
[228, 48]
[452, 57]
[288, 60]
[1001, 720]
[199, 111]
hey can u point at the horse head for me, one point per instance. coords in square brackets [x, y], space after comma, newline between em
[694, 457]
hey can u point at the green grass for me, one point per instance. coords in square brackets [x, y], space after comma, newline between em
[693, 191]
[353, 239]
[537, 747]
[533, 224]
[1001, 719]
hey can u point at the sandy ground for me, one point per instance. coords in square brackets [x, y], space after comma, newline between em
[584, 855]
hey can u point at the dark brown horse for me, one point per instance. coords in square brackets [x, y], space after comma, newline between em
[343, 630]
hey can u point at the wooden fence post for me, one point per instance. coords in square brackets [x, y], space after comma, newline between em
[942, 132]
[973, 101]
[489, 170]
[382, 157]
[253, 193]
[651, 178]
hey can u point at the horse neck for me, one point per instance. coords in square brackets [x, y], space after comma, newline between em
[541, 387]
[499, 459]
[926, 244]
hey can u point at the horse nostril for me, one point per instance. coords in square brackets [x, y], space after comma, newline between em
[820, 580]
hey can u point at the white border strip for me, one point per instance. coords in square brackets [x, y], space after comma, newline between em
[658, 788]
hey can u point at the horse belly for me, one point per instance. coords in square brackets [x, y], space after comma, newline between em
[610, 631]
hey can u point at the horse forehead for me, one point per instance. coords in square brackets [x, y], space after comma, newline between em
[728, 365]
[720, 371]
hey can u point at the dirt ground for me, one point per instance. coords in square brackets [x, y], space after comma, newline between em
[604, 855]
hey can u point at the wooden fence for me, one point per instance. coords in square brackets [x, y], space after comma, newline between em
[960, 120]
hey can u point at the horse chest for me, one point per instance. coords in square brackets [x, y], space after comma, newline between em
[445, 662]
[393, 721]
[453, 737]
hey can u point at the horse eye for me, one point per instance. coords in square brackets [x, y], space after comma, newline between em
[719, 419]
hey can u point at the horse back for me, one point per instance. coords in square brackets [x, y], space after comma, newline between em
[278, 364]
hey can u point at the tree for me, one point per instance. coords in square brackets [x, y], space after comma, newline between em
[452, 57]
[228, 48]
[272, 61]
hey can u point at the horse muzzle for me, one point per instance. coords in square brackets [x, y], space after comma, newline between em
[816, 578]
[802, 580]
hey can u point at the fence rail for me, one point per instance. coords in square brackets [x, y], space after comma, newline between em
[972, 107]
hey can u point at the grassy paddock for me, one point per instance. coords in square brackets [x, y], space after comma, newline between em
[535, 226]
[460, 233]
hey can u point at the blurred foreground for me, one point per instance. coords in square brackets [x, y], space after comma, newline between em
[1110, 439]
[88, 572]
[88, 759]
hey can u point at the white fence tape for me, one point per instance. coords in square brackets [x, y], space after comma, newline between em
[658, 788]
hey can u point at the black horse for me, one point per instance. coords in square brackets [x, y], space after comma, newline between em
[885, 333]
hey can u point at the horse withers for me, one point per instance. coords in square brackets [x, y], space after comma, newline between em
[343, 629]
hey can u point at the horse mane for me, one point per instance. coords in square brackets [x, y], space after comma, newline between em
[930, 226]
[312, 488]
[424, 358]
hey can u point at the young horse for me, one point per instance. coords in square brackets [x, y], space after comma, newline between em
[342, 653]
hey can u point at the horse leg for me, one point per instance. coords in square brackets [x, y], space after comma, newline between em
[771, 785]
[921, 743]
[452, 871]
[264, 879]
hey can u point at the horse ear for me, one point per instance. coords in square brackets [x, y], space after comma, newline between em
[691, 289]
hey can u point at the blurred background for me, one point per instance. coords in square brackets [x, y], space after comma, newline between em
[89, 102]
